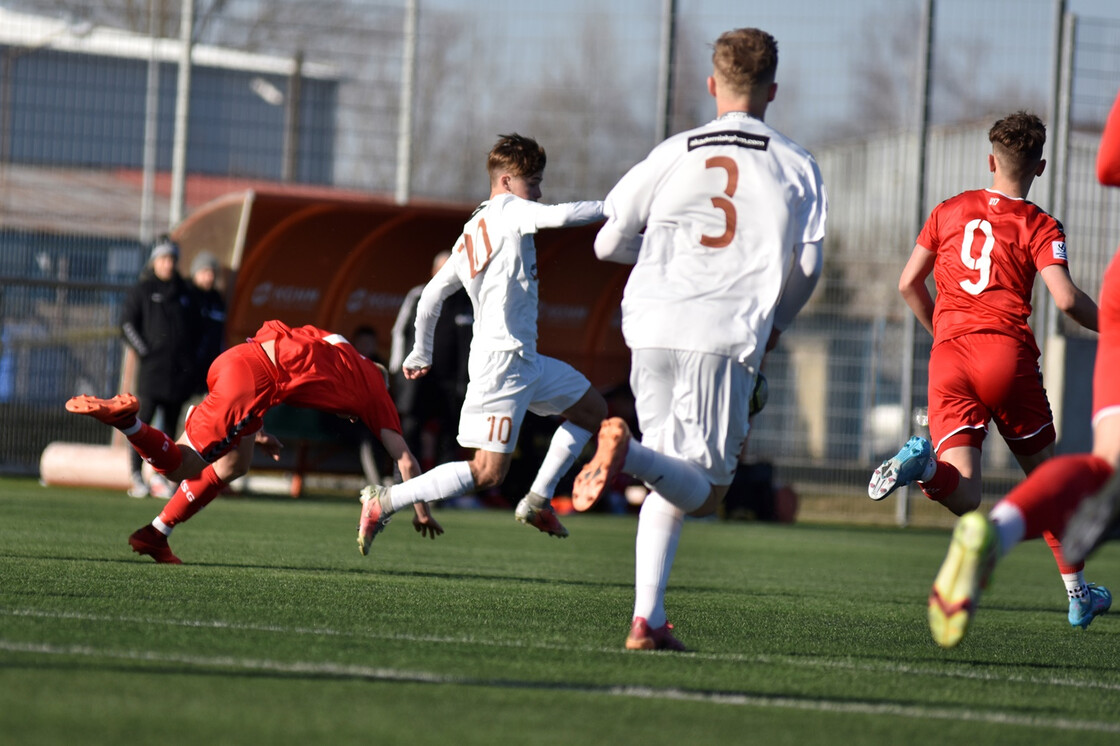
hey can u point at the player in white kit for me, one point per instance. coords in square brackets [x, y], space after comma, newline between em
[733, 213]
[495, 259]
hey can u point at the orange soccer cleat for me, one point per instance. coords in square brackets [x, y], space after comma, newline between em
[604, 466]
[119, 412]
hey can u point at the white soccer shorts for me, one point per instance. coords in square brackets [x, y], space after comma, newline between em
[503, 386]
[694, 406]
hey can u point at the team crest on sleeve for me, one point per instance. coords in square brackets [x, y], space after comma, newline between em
[1059, 248]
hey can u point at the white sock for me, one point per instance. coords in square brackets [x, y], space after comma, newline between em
[162, 527]
[1075, 584]
[567, 443]
[659, 531]
[1010, 525]
[678, 481]
[441, 483]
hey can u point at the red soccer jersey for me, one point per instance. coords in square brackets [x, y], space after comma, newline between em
[321, 370]
[1108, 157]
[989, 248]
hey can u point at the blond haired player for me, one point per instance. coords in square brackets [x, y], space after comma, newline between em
[495, 259]
[733, 213]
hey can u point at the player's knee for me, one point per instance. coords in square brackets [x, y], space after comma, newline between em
[589, 411]
[488, 474]
[710, 505]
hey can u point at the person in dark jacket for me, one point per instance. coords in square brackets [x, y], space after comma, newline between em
[161, 321]
[439, 395]
[212, 312]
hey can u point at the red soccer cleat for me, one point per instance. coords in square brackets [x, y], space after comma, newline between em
[544, 519]
[604, 466]
[374, 519]
[148, 540]
[644, 637]
[119, 412]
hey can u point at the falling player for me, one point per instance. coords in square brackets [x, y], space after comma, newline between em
[303, 367]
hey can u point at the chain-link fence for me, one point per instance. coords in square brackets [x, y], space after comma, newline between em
[104, 144]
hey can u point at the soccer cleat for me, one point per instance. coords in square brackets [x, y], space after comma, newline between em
[1096, 520]
[644, 637]
[137, 487]
[120, 411]
[901, 469]
[162, 487]
[963, 574]
[600, 471]
[374, 519]
[148, 540]
[1095, 602]
[544, 519]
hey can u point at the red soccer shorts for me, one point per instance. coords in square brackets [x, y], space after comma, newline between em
[242, 383]
[1106, 378]
[978, 378]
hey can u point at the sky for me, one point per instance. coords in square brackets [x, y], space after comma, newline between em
[1007, 44]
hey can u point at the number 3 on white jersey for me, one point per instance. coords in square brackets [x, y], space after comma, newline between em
[722, 203]
[982, 263]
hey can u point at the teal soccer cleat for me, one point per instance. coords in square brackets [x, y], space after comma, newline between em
[1082, 611]
[901, 469]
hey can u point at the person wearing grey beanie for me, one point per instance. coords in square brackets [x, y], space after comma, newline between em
[160, 322]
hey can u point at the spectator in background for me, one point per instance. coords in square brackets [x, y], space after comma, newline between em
[439, 395]
[366, 342]
[212, 311]
[161, 322]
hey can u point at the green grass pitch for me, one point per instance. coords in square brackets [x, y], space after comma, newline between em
[276, 631]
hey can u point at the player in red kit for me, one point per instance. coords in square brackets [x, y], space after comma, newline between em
[1065, 486]
[302, 367]
[984, 248]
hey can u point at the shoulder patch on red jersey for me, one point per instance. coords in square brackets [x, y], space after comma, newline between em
[1059, 249]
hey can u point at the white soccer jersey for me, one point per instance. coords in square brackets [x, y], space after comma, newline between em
[724, 207]
[495, 259]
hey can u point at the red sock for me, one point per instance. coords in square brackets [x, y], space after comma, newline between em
[1064, 567]
[943, 482]
[155, 447]
[191, 496]
[1049, 496]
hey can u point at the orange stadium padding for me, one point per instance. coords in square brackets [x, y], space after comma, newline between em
[344, 261]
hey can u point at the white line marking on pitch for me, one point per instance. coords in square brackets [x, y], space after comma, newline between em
[799, 661]
[639, 692]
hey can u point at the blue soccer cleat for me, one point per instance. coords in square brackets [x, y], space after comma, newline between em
[1083, 610]
[901, 469]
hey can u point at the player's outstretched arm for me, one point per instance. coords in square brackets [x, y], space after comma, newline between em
[1070, 299]
[612, 244]
[442, 286]
[409, 467]
[563, 215]
[912, 285]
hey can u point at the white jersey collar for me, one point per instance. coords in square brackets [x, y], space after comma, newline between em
[735, 115]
